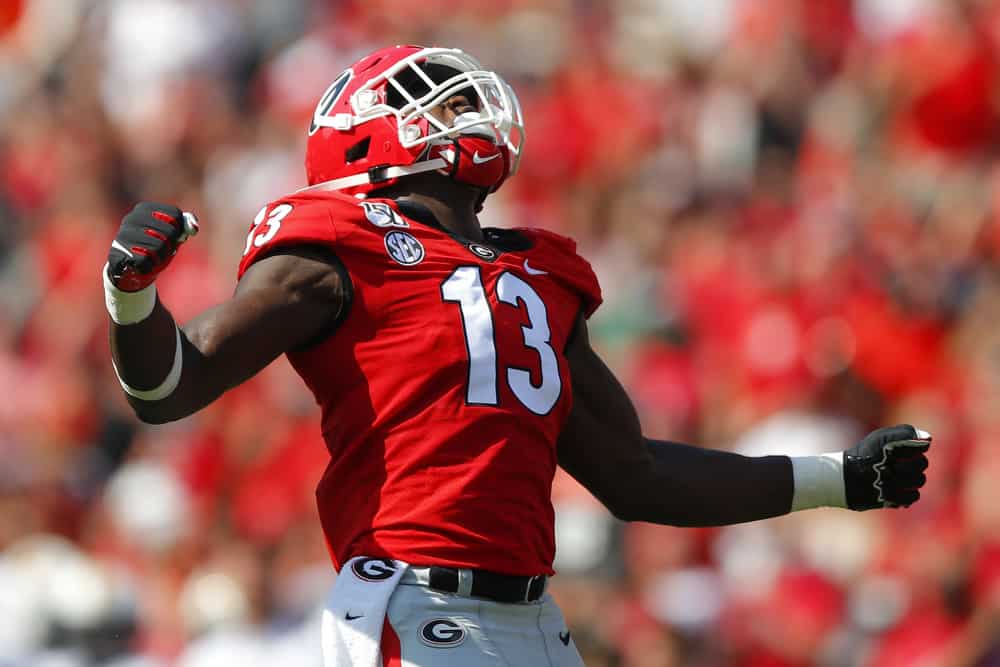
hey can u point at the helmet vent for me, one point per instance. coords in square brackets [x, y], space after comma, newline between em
[372, 64]
[357, 151]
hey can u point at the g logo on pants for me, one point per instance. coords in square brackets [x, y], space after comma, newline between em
[374, 569]
[442, 633]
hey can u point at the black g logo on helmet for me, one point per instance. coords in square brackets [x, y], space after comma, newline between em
[442, 633]
[373, 569]
[330, 97]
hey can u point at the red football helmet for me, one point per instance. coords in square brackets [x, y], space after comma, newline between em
[373, 124]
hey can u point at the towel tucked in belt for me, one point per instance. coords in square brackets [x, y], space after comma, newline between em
[355, 611]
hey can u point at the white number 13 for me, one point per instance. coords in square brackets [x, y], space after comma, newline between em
[273, 225]
[465, 287]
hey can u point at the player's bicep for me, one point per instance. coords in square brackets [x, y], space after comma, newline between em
[601, 443]
[283, 301]
[307, 284]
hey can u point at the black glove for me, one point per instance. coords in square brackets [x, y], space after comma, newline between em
[886, 469]
[146, 242]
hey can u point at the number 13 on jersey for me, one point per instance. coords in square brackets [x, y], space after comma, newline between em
[259, 238]
[465, 287]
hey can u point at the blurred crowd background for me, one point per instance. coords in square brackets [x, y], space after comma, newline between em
[794, 208]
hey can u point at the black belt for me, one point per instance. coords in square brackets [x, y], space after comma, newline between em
[489, 585]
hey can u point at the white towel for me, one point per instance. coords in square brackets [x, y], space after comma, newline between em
[355, 611]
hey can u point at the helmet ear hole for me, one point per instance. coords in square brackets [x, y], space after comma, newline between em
[357, 151]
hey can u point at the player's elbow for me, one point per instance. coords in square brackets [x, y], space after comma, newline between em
[624, 511]
[641, 509]
[626, 506]
[644, 498]
[631, 493]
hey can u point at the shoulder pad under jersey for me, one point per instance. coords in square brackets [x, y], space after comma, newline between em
[558, 255]
[310, 218]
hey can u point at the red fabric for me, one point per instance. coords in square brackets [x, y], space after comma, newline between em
[417, 473]
[10, 14]
[391, 650]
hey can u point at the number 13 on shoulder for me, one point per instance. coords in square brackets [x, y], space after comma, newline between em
[255, 239]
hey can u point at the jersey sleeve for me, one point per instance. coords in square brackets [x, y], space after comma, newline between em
[559, 252]
[285, 223]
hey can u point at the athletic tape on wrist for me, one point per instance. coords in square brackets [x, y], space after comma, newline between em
[819, 481]
[167, 386]
[127, 307]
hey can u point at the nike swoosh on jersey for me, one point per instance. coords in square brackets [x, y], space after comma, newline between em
[480, 160]
[534, 272]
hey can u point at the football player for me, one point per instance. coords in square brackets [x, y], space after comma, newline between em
[453, 369]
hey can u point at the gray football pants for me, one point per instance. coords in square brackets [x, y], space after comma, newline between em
[427, 628]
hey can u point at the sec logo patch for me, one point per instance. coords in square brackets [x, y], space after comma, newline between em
[404, 248]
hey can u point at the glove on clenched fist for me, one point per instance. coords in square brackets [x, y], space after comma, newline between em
[146, 242]
[886, 469]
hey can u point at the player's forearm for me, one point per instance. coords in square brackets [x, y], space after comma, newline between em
[168, 372]
[690, 486]
[143, 352]
[217, 350]
[145, 355]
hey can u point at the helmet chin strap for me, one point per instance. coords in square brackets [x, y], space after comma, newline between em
[462, 163]
[377, 175]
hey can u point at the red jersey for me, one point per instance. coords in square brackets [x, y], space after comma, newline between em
[444, 389]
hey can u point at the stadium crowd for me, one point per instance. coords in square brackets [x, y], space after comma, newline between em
[794, 210]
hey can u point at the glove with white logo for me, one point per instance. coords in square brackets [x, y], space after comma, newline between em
[886, 469]
[146, 242]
